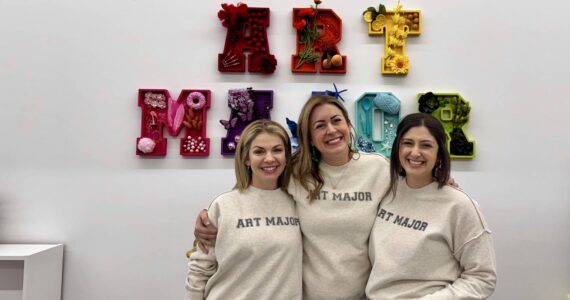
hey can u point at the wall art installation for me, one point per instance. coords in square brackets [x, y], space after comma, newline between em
[452, 110]
[396, 26]
[247, 105]
[246, 31]
[377, 118]
[159, 110]
[318, 33]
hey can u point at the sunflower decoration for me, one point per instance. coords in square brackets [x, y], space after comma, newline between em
[399, 64]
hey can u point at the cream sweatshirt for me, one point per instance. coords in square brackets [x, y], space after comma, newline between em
[258, 249]
[430, 243]
[336, 227]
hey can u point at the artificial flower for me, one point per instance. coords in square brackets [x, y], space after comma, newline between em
[300, 25]
[401, 33]
[267, 63]
[146, 145]
[304, 22]
[231, 15]
[307, 12]
[240, 101]
[396, 18]
[398, 64]
[398, 8]
[196, 100]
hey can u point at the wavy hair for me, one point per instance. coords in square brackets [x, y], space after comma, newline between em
[306, 160]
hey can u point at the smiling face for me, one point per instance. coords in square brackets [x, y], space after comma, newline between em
[267, 159]
[330, 134]
[418, 155]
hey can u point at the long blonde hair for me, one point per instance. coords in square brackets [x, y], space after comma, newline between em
[306, 160]
[243, 175]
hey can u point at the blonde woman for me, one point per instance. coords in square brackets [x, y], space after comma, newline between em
[258, 252]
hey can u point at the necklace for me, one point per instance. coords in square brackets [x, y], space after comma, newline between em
[334, 183]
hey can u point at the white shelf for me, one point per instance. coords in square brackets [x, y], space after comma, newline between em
[10, 295]
[30, 271]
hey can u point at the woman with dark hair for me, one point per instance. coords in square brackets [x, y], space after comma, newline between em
[430, 240]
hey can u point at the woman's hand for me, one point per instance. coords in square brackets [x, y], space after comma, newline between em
[205, 232]
[453, 183]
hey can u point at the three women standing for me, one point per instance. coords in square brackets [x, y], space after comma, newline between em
[337, 192]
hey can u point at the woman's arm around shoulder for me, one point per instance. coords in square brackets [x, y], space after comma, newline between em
[202, 265]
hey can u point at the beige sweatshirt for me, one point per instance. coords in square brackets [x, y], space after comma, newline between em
[258, 249]
[430, 243]
[336, 227]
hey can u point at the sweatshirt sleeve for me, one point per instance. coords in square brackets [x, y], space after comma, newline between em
[476, 256]
[477, 281]
[201, 266]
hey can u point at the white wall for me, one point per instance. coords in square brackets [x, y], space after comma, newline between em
[69, 74]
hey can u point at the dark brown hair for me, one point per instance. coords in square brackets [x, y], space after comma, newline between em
[443, 164]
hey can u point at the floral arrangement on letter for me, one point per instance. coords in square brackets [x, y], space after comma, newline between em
[397, 30]
[396, 37]
[309, 33]
[241, 101]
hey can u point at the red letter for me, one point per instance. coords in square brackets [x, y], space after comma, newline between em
[327, 27]
[247, 30]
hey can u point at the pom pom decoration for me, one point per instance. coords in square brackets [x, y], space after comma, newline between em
[146, 145]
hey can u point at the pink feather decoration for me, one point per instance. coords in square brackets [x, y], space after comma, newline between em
[178, 118]
[175, 114]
